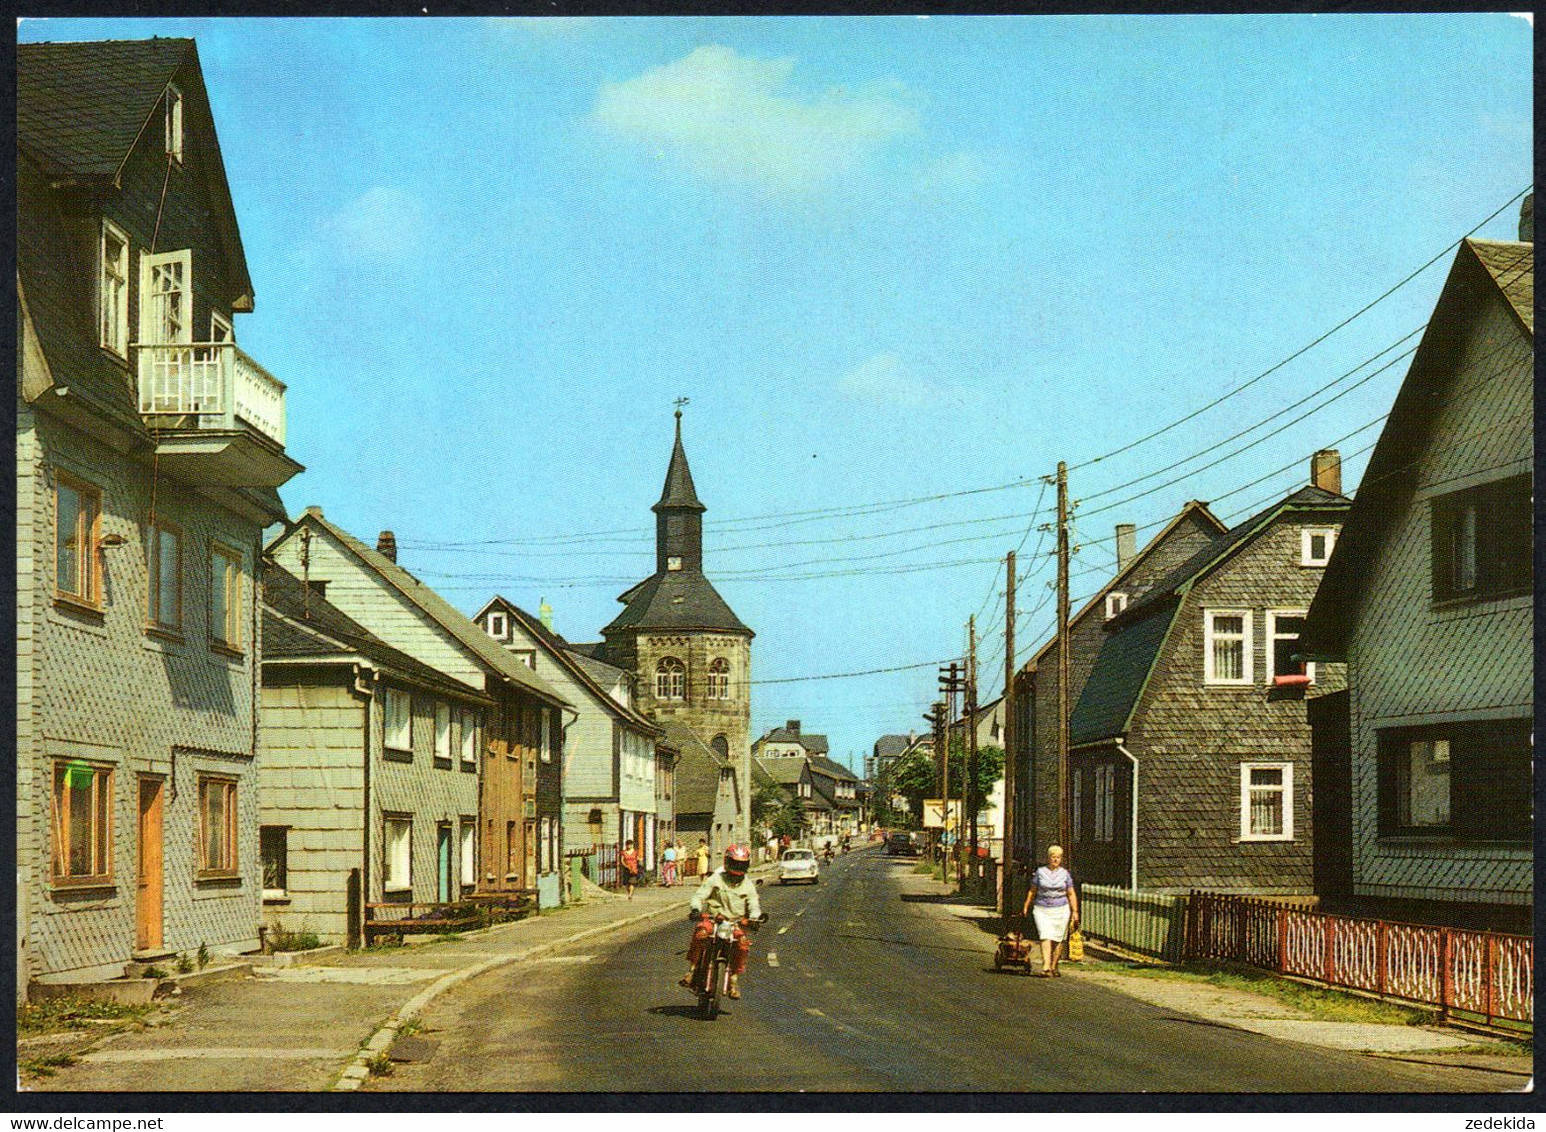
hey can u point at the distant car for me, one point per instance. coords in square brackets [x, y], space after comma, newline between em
[900, 844]
[798, 866]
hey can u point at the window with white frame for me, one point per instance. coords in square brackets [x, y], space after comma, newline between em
[113, 289]
[397, 853]
[1315, 545]
[1227, 646]
[273, 848]
[442, 732]
[220, 328]
[469, 738]
[1077, 804]
[1266, 801]
[1283, 631]
[719, 679]
[528, 657]
[498, 625]
[225, 596]
[397, 717]
[1115, 603]
[546, 742]
[469, 840]
[163, 554]
[670, 679]
[1105, 803]
[174, 123]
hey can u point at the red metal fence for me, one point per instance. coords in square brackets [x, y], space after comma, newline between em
[1486, 973]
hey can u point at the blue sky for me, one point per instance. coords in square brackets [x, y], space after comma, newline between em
[885, 258]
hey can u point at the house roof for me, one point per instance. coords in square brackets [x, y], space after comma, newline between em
[833, 768]
[598, 670]
[577, 666]
[678, 492]
[810, 742]
[442, 612]
[82, 107]
[675, 599]
[1135, 636]
[889, 745]
[785, 772]
[1482, 271]
[1194, 509]
[697, 769]
[298, 627]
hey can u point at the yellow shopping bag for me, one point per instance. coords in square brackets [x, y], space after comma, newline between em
[1075, 946]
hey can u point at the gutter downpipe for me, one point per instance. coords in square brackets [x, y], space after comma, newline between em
[1132, 839]
[364, 682]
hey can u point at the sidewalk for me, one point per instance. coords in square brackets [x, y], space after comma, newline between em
[307, 1028]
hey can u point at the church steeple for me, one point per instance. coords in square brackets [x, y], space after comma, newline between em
[678, 515]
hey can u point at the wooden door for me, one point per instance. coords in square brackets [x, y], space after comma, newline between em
[149, 891]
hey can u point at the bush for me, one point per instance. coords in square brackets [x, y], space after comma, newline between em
[279, 939]
[59, 1013]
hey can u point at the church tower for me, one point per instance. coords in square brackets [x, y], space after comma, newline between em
[690, 654]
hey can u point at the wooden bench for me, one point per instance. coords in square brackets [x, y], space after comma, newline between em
[434, 919]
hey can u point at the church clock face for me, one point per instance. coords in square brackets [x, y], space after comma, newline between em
[674, 562]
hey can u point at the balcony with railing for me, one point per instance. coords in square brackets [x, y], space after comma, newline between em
[212, 403]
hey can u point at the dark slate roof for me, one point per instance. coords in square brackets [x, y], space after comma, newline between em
[1121, 670]
[576, 666]
[834, 768]
[295, 628]
[697, 769]
[813, 743]
[784, 770]
[675, 599]
[598, 670]
[485, 647]
[1308, 497]
[595, 650]
[81, 107]
[1482, 269]
[679, 493]
[888, 745]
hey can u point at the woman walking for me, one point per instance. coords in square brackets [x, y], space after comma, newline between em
[1055, 906]
[668, 865]
[630, 863]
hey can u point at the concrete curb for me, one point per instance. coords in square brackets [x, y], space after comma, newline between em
[355, 1073]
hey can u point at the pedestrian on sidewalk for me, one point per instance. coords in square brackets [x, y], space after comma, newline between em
[630, 863]
[703, 856]
[1054, 904]
[668, 865]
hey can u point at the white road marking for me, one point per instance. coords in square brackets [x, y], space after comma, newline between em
[813, 1010]
[802, 911]
[563, 959]
[785, 928]
[772, 959]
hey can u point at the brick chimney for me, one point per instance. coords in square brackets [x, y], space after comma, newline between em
[1127, 544]
[386, 544]
[1527, 220]
[792, 726]
[1326, 470]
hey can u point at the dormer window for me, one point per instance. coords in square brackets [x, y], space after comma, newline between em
[674, 562]
[1115, 603]
[113, 289]
[174, 124]
[498, 626]
[1316, 545]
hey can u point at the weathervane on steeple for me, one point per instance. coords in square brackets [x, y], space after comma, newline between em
[679, 402]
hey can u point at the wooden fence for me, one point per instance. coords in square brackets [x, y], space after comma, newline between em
[1147, 922]
[1488, 974]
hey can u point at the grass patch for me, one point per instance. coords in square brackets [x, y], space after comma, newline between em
[1324, 1004]
[281, 940]
[923, 868]
[45, 1066]
[380, 1065]
[62, 1014]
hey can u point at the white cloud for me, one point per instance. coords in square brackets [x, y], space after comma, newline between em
[382, 223]
[738, 119]
[885, 380]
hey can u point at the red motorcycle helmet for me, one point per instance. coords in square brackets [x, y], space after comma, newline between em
[738, 858]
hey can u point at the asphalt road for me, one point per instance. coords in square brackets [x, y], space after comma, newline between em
[864, 982]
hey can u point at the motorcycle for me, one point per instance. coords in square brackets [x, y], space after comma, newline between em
[711, 974]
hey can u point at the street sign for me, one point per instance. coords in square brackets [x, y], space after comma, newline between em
[934, 816]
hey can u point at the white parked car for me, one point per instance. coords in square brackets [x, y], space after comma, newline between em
[798, 865]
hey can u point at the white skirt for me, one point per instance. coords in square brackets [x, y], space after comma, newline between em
[1051, 923]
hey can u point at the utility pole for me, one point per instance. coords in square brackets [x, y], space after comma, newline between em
[1007, 818]
[936, 717]
[969, 786]
[1063, 801]
[951, 681]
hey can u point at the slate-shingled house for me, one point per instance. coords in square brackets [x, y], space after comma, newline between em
[1036, 698]
[1196, 693]
[336, 799]
[148, 450]
[520, 753]
[708, 792]
[1428, 598]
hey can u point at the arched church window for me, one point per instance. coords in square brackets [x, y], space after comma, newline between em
[670, 679]
[721, 747]
[719, 679]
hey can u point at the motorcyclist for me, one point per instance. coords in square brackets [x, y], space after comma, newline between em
[827, 851]
[729, 893]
